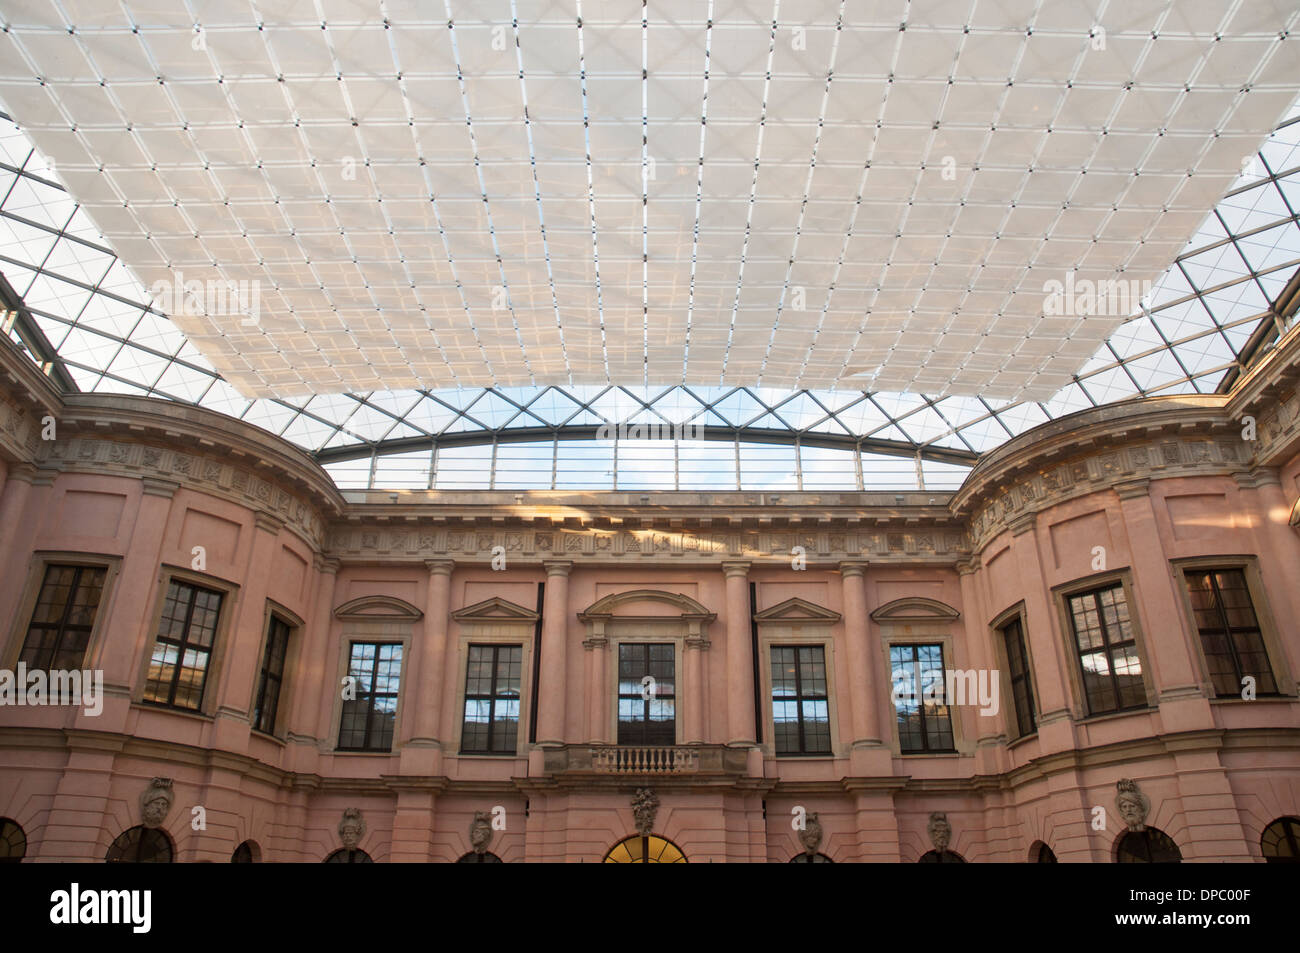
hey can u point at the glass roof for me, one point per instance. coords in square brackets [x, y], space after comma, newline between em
[83, 312]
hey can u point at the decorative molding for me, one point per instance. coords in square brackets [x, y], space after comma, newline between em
[352, 827]
[495, 609]
[645, 807]
[378, 608]
[797, 610]
[939, 830]
[480, 832]
[915, 609]
[811, 835]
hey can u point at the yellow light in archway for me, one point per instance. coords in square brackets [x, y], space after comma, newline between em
[645, 850]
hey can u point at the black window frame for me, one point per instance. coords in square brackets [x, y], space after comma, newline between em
[1108, 648]
[185, 644]
[276, 625]
[803, 749]
[1012, 632]
[368, 741]
[64, 626]
[1148, 846]
[492, 698]
[915, 661]
[1229, 632]
[645, 722]
[130, 846]
[1285, 828]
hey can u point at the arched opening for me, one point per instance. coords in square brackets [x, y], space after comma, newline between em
[806, 858]
[1040, 853]
[140, 845]
[13, 841]
[1150, 846]
[645, 849]
[1280, 842]
[941, 857]
[247, 853]
[345, 856]
[473, 857]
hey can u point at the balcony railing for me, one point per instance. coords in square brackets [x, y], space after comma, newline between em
[647, 760]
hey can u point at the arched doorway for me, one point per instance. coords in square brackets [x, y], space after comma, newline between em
[1149, 846]
[645, 849]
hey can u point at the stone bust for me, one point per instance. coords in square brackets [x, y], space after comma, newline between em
[811, 835]
[156, 802]
[480, 832]
[940, 831]
[351, 828]
[1132, 804]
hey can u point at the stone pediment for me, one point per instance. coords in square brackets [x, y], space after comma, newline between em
[915, 609]
[378, 608]
[797, 610]
[607, 609]
[495, 609]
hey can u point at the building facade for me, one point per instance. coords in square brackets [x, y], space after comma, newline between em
[1089, 653]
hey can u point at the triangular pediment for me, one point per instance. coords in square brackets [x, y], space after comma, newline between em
[383, 608]
[915, 609]
[797, 610]
[495, 609]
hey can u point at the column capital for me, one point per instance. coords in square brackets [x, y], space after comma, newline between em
[23, 472]
[968, 565]
[268, 521]
[732, 568]
[155, 487]
[853, 567]
[1023, 524]
[440, 567]
[557, 567]
[1259, 476]
[1132, 489]
[326, 564]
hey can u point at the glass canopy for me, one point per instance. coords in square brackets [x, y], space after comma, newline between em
[80, 314]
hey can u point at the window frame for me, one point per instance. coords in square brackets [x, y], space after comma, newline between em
[1273, 646]
[623, 632]
[38, 565]
[492, 632]
[349, 641]
[274, 611]
[676, 694]
[997, 629]
[946, 656]
[770, 681]
[1061, 594]
[212, 676]
[521, 725]
[799, 632]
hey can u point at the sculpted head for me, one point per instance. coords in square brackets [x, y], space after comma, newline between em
[156, 802]
[940, 830]
[351, 828]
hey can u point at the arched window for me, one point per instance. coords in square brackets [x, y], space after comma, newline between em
[1040, 853]
[13, 842]
[941, 857]
[140, 845]
[476, 858]
[806, 858]
[649, 849]
[345, 856]
[1280, 842]
[247, 853]
[1151, 846]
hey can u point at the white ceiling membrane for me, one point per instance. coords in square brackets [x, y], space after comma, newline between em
[906, 197]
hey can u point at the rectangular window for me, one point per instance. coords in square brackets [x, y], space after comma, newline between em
[370, 714]
[1107, 648]
[492, 700]
[924, 720]
[800, 710]
[647, 703]
[1013, 635]
[64, 615]
[178, 668]
[1229, 631]
[269, 685]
